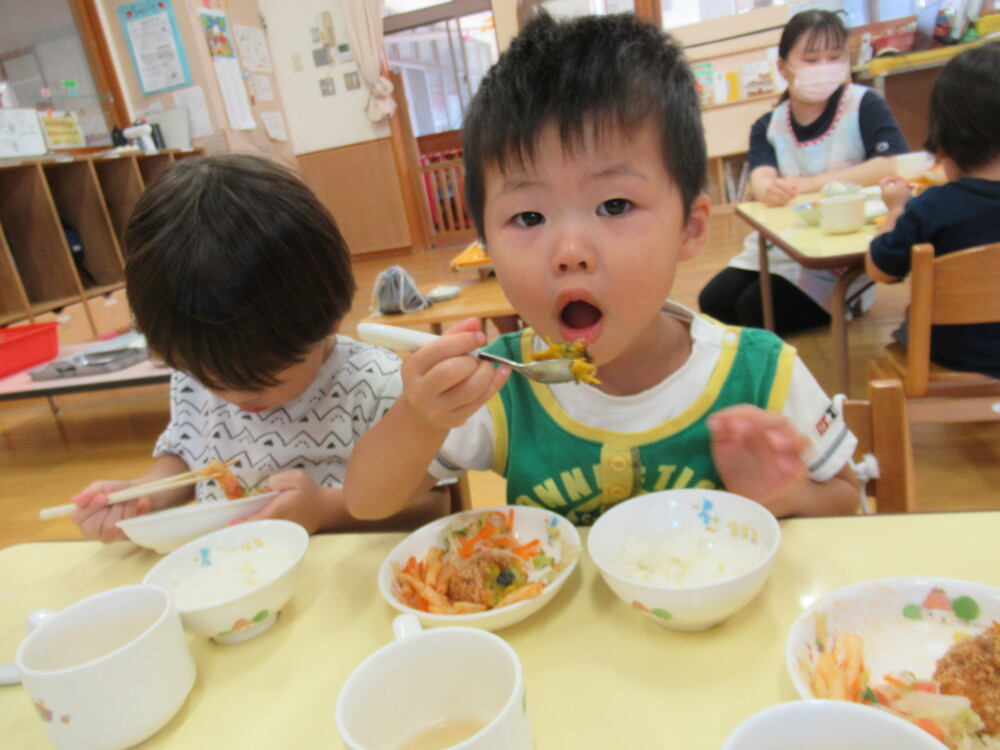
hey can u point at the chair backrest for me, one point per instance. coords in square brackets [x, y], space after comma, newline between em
[957, 288]
[883, 431]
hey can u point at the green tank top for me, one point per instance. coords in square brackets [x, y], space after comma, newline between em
[553, 461]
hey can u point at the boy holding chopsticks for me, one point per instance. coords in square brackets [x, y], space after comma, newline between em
[239, 278]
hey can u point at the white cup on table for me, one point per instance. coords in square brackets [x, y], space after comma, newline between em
[842, 214]
[912, 165]
[108, 671]
[435, 689]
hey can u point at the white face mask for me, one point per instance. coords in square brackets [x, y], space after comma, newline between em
[816, 83]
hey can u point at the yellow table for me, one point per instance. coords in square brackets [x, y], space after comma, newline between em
[811, 248]
[598, 675]
[477, 298]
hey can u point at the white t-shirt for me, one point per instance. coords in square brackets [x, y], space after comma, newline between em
[316, 432]
[470, 447]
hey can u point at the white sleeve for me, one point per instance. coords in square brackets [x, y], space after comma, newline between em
[469, 447]
[813, 413]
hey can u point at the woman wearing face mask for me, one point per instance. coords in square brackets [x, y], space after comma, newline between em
[824, 129]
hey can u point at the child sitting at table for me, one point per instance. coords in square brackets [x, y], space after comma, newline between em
[585, 163]
[239, 278]
[962, 213]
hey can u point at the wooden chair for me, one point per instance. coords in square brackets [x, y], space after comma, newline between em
[958, 288]
[882, 430]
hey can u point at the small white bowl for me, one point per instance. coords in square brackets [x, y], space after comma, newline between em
[808, 212]
[558, 535]
[167, 530]
[655, 516]
[252, 611]
[820, 725]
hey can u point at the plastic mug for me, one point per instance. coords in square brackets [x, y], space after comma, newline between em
[108, 671]
[912, 165]
[451, 687]
[841, 214]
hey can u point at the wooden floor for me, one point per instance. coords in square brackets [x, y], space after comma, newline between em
[109, 435]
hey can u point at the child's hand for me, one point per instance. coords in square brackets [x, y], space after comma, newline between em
[780, 191]
[895, 193]
[758, 455]
[443, 384]
[97, 519]
[300, 499]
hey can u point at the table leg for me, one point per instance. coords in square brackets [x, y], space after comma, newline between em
[766, 300]
[838, 330]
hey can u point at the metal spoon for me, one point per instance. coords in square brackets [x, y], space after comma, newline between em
[407, 340]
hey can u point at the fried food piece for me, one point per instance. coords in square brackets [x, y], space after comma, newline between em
[972, 668]
[486, 577]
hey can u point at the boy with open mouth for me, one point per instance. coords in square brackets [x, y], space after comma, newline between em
[585, 166]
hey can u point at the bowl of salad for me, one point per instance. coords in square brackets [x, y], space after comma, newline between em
[926, 650]
[487, 568]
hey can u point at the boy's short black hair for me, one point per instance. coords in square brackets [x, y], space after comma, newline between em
[600, 72]
[965, 108]
[234, 269]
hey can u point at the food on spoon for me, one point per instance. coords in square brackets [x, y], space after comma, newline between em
[480, 565]
[583, 368]
[226, 479]
[960, 706]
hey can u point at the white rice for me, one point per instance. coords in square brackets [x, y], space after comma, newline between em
[222, 573]
[691, 556]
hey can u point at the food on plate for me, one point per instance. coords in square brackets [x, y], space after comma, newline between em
[226, 479]
[583, 367]
[972, 668]
[480, 565]
[218, 574]
[960, 706]
[689, 556]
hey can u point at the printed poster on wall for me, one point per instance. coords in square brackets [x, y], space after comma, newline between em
[20, 133]
[154, 43]
[252, 45]
[62, 130]
[227, 69]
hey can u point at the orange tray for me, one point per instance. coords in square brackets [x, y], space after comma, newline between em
[474, 256]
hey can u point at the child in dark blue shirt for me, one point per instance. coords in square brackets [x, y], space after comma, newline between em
[962, 213]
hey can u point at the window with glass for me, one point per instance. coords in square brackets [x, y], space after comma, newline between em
[441, 50]
[46, 64]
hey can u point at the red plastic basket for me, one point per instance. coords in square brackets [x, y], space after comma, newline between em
[24, 346]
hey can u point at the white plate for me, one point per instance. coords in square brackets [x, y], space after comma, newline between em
[166, 530]
[906, 624]
[529, 523]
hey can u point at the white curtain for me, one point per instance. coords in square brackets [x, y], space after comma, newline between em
[364, 29]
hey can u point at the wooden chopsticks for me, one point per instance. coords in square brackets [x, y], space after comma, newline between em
[141, 490]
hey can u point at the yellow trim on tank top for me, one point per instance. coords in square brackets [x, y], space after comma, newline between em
[500, 438]
[682, 421]
[782, 379]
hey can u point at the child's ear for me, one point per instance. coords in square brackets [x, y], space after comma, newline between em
[695, 228]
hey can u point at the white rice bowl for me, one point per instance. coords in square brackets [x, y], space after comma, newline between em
[231, 584]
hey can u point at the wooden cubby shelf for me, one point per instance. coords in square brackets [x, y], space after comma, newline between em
[95, 196]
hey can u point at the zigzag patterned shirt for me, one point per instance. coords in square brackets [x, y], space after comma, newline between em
[315, 433]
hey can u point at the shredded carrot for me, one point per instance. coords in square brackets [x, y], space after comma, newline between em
[894, 681]
[529, 550]
[931, 727]
[469, 546]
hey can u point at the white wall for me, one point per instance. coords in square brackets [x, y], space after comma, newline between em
[315, 122]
